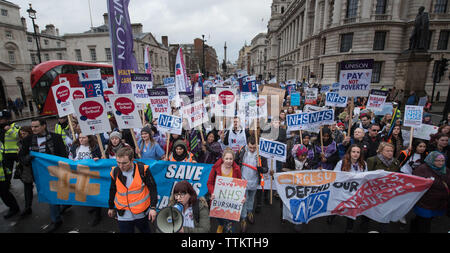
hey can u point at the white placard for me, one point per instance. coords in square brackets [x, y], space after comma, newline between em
[125, 111]
[170, 124]
[413, 116]
[91, 115]
[63, 101]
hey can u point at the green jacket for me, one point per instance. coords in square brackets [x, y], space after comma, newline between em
[374, 163]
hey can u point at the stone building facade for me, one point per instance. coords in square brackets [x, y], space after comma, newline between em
[307, 39]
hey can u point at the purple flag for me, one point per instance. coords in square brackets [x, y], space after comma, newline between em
[120, 33]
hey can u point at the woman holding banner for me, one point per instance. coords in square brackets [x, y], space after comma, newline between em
[148, 148]
[225, 167]
[86, 147]
[195, 212]
[435, 201]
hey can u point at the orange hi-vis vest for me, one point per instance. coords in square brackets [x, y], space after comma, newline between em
[136, 198]
[186, 160]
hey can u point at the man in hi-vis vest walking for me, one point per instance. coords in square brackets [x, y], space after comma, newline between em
[133, 195]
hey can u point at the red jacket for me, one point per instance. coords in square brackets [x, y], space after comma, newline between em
[217, 171]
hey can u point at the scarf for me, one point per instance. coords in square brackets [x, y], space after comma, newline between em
[116, 148]
[429, 160]
[385, 161]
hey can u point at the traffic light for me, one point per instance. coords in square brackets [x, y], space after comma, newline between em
[443, 66]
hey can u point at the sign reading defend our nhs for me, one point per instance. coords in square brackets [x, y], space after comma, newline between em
[305, 120]
[355, 78]
[273, 150]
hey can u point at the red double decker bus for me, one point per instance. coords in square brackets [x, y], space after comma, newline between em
[48, 74]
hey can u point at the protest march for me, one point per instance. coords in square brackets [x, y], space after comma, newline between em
[219, 150]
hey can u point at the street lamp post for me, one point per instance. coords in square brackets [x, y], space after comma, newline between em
[203, 55]
[32, 15]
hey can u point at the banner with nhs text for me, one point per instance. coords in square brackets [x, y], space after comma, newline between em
[87, 182]
[380, 195]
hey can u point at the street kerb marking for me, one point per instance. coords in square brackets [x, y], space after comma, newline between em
[81, 188]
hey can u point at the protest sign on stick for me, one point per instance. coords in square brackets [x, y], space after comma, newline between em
[229, 194]
[413, 119]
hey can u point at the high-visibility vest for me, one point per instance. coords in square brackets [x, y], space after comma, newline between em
[186, 160]
[11, 139]
[3, 173]
[136, 198]
[61, 131]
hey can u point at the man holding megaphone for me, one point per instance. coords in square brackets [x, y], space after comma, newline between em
[133, 194]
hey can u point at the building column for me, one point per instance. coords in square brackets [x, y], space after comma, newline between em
[326, 19]
[316, 18]
[337, 12]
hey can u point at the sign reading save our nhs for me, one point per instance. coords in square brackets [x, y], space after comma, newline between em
[272, 150]
[305, 120]
[355, 78]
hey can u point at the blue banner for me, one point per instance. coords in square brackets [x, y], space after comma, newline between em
[87, 182]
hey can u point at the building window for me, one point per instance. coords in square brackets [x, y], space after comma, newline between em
[430, 39]
[379, 40]
[33, 59]
[380, 8]
[324, 45]
[440, 6]
[322, 67]
[78, 55]
[376, 72]
[9, 35]
[59, 56]
[58, 43]
[12, 57]
[93, 54]
[108, 54]
[346, 42]
[443, 40]
[352, 8]
[29, 39]
[47, 57]
[4, 12]
[46, 42]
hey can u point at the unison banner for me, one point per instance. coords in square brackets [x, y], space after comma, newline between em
[61, 181]
[120, 33]
[380, 195]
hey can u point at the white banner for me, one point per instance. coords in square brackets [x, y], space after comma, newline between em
[380, 195]
[125, 111]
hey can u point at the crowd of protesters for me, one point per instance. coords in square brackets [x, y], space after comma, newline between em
[365, 143]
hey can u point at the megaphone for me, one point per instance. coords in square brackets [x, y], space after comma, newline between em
[170, 219]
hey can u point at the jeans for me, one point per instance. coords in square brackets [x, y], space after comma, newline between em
[128, 226]
[249, 202]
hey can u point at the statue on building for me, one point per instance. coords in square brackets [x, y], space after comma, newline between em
[420, 36]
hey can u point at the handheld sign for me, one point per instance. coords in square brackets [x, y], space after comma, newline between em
[170, 124]
[295, 99]
[226, 102]
[311, 96]
[159, 101]
[355, 78]
[413, 116]
[140, 83]
[272, 150]
[305, 120]
[125, 111]
[91, 114]
[62, 95]
[333, 99]
[229, 194]
[91, 80]
[376, 100]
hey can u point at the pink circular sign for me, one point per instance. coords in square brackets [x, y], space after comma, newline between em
[226, 97]
[62, 94]
[124, 106]
[78, 94]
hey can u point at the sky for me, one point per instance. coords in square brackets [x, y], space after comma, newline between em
[235, 22]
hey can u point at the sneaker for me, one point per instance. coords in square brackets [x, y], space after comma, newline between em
[251, 218]
[52, 227]
[243, 226]
[219, 229]
[403, 220]
[11, 213]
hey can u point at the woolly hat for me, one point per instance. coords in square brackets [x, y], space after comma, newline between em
[115, 134]
[299, 149]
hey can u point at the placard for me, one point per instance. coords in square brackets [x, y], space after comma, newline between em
[91, 115]
[306, 120]
[159, 101]
[311, 96]
[334, 100]
[63, 101]
[226, 102]
[272, 150]
[295, 99]
[413, 116]
[195, 113]
[229, 194]
[91, 80]
[77, 93]
[140, 83]
[170, 124]
[376, 100]
[424, 131]
[125, 111]
[355, 78]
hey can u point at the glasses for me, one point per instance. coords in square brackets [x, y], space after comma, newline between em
[180, 194]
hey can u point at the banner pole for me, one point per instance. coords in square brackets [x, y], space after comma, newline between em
[135, 141]
[350, 120]
[69, 117]
[167, 145]
[271, 179]
[411, 138]
[301, 137]
[100, 145]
